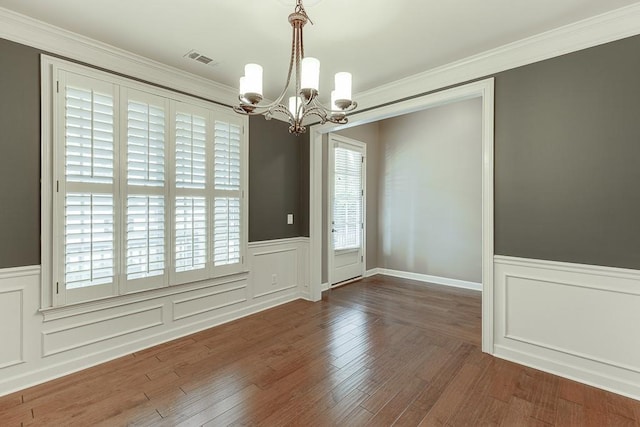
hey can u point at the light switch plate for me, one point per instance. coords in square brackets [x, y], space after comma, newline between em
[289, 219]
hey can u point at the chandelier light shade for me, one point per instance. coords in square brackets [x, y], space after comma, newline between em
[306, 79]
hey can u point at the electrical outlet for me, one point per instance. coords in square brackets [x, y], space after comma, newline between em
[289, 219]
[274, 279]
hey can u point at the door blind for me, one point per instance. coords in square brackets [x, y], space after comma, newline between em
[347, 205]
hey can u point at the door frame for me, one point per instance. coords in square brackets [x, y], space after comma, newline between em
[330, 184]
[483, 89]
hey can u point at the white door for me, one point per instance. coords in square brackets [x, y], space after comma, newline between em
[347, 162]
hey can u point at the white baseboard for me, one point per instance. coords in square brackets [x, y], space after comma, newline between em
[372, 272]
[573, 320]
[592, 376]
[455, 283]
[324, 286]
[47, 372]
[41, 345]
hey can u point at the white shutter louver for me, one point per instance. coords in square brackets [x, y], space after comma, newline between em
[88, 136]
[347, 210]
[145, 144]
[89, 237]
[226, 231]
[191, 140]
[89, 228]
[227, 156]
[227, 203]
[191, 199]
[145, 215]
[191, 233]
[145, 236]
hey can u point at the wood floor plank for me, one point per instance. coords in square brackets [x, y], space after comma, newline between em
[453, 397]
[381, 351]
[569, 414]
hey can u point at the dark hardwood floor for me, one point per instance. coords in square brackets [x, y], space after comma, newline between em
[378, 352]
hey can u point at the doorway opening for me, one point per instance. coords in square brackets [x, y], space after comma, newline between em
[482, 89]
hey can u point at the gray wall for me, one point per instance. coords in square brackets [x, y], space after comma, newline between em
[431, 192]
[19, 155]
[567, 158]
[567, 155]
[276, 164]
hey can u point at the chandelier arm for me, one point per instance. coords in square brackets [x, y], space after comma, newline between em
[318, 104]
[268, 107]
[320, 114]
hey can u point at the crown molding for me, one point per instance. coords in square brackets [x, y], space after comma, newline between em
[54, 40]
[600, 29]
[597, 30]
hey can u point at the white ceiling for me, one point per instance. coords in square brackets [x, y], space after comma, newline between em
[379, 41]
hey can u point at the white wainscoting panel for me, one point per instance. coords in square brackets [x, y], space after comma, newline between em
[84, 334]
[209, 300]
[577, 321]
[278, 267]
[38, 346]
[11, 328]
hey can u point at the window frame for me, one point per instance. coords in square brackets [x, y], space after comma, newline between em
[52, 183]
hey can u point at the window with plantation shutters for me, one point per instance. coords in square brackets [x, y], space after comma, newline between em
[191, 200]
[227, 189]
[147, 187]
[146, 190]
[87, 184]
[347, 210]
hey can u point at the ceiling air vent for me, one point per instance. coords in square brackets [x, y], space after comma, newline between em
[197, 56]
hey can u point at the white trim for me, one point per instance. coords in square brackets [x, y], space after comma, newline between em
[55, 313]
[324, 286]
[372, 272]
[483, 89]
[52, 371]
[566, 296]
[12, 272]
[613, 25]
[287, 241]
[58, 341]
[609, 26]
[597, 270]
[26, 30]
[444, 281]
[580, 374]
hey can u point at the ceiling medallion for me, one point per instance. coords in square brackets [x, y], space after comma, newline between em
[307, 77]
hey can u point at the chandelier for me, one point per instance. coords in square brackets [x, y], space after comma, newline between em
[307, 75]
